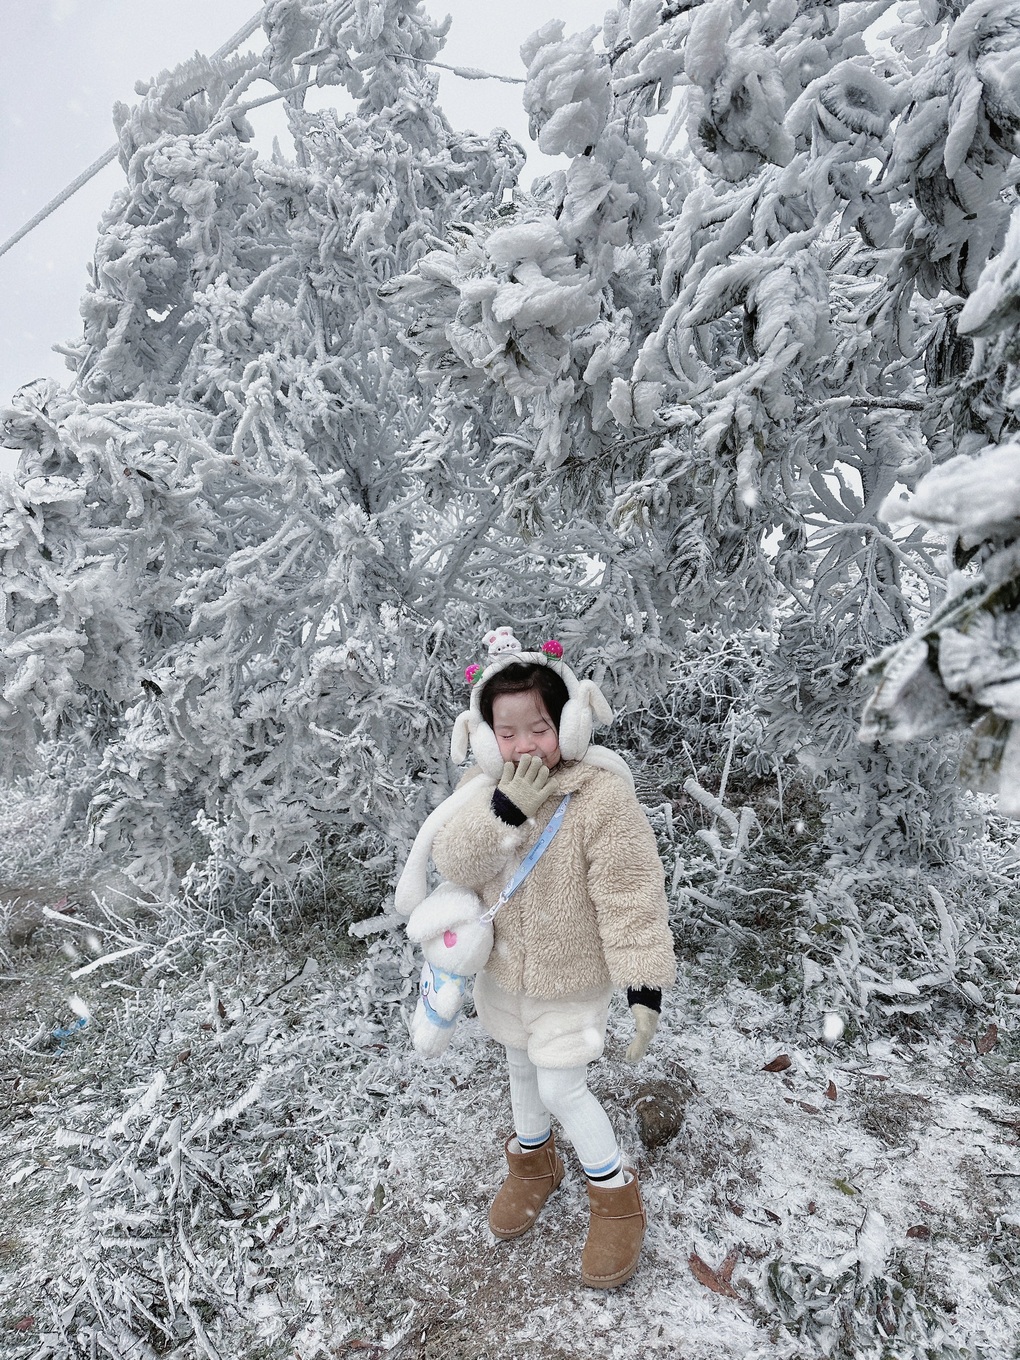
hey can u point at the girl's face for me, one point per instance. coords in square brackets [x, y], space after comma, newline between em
[523, 727]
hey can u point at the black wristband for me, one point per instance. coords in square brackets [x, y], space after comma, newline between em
[506, 809]
[645, 996]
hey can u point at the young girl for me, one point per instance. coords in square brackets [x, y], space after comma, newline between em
[591, 915]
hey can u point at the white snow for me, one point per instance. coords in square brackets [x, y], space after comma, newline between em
[705, 51]
[971, 495]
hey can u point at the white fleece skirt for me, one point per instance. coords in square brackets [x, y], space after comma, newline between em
[562, 1031]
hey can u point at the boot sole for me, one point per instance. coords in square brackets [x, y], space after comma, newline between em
[610, 1281]
[504, 1236]
[511, 1236]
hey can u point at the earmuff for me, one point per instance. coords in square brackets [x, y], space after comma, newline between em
[579, 717]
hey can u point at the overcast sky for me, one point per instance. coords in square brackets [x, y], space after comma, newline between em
[63, 64]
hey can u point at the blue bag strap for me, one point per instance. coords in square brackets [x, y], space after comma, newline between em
[534, 855]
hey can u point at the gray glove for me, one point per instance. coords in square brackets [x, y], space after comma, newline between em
[646, 1022]
[527, 784]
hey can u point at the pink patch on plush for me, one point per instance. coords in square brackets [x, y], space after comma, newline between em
[450, 939]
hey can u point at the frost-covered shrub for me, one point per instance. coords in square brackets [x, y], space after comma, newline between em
[855, 1314]
[888, 949]
[893, 935]
[767, 870]
[328, 882]
[706, 725]
[710, 691]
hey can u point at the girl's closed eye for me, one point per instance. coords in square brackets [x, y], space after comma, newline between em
[523, 727]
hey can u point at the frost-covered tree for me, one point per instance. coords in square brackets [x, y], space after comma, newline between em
[216, 559]
[532, 318]
[807, 274]
[669, 389]
[961, 668]
[728, 348]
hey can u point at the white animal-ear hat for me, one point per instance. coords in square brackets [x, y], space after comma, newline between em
[586, 704]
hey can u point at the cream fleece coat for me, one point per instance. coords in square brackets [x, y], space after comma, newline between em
[592, 913]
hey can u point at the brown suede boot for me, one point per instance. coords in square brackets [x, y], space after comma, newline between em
[532, 1178]
[615, 1234]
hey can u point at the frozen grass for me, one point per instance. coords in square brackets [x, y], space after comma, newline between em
[239, 1154]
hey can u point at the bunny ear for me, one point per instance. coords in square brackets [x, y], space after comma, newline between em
[459, 740]
[412, 884]
[590, 694]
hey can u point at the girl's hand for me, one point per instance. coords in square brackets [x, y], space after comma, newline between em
[646, 1022]
[645, 1004]
[526, 785]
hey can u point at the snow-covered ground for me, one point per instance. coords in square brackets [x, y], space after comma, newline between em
[239, 1154]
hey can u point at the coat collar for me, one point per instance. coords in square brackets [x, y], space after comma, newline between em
[571, 775]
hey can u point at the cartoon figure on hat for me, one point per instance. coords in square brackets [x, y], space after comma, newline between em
[544, 843]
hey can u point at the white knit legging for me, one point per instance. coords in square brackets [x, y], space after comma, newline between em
[538, 1092]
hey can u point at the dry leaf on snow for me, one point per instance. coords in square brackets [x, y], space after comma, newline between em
[779, 1064]
[716, 1280]
[984, 1043]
